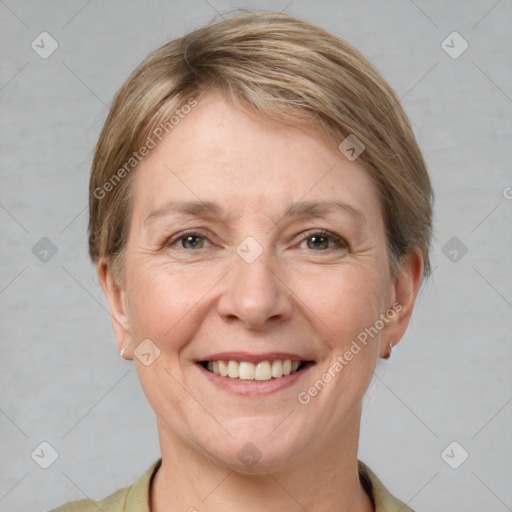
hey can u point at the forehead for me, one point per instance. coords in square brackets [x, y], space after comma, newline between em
[219, 153]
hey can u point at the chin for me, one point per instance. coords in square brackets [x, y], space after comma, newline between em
[259, 444]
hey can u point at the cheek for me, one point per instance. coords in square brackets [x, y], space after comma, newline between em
[164, 301]
[343, 305]
[341, 302]
[150, 300]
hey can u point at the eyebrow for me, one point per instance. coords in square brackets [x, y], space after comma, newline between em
[208, 209]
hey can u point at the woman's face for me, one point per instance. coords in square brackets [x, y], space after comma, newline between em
[253, 280]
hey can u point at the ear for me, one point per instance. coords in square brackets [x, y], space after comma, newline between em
[116, 297]
[404, 291]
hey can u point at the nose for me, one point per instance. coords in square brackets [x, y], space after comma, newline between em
[256, 293]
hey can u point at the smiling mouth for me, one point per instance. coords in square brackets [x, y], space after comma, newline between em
[262, 371]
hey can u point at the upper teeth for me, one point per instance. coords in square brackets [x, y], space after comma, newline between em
[264, 370]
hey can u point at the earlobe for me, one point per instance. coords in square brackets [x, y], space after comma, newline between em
[116, 298]
[405, 291]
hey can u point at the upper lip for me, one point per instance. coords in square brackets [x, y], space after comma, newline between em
[253, 358]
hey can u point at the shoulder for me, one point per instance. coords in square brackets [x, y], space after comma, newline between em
[130, 499]
[113, 503]
[383, 500]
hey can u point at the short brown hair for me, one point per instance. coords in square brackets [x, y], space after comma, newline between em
[286, 69]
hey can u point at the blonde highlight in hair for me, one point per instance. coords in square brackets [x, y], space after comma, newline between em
[285, 69]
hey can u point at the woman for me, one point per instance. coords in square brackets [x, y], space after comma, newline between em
[260, 217]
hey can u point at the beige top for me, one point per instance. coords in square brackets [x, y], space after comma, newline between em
[136, 497]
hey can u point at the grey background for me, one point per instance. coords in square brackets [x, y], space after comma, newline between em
[61, 377]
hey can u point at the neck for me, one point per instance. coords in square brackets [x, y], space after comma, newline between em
[324, 478]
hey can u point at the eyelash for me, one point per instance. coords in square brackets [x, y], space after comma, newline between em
[338, 241]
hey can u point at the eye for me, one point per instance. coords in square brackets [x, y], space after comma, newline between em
[191, 240]
[317, 240]
[320, 240]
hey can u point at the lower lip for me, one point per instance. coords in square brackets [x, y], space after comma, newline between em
[254, 387]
